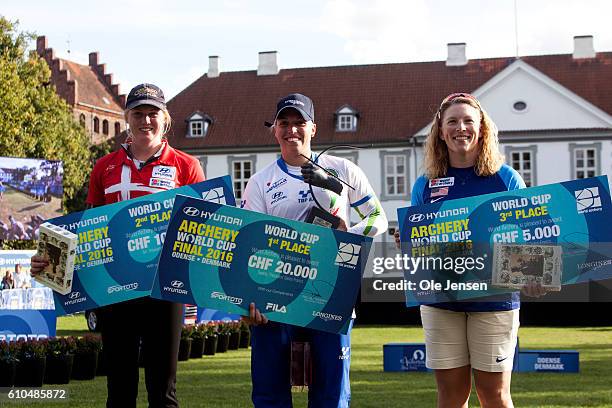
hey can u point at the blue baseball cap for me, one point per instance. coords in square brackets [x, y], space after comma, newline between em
[299, 102]
[145, 94]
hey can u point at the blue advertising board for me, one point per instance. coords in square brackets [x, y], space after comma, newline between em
[119, 245]
[399, 357]
[411, 357]
[206, 315]
[27, 324]
[567, 223]
[550, 361]
[224, 258]
[24, 313]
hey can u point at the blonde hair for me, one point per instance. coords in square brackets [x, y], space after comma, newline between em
[167, 122]
[489, 159]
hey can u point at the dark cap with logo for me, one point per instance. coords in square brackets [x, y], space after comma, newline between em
[299, 102]
[145, 94]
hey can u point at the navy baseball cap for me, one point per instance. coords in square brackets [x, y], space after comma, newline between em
[145, 94]
[299, 102]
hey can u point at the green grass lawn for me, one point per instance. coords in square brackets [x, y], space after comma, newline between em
[21, 206]
[224, 380]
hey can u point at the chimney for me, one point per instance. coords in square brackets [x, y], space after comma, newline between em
[41, 45]
[93, 59]
[456, 55]
[108, 79]
[268, 63]
[583, 47]
[214, 66]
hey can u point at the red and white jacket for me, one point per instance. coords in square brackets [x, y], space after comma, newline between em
[115, 177]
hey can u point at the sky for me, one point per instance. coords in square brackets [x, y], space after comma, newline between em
[15, 163]
[168, 42]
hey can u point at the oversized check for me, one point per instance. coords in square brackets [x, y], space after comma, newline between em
[224, 258]
[556, 235]
[119, 245]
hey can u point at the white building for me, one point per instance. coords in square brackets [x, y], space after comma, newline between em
[553, 112]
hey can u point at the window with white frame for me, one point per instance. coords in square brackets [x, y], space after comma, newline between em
[346, 119]
[198, 124]
[521, 162]
[197, 128]
[585, 162]
[203, 162]
[346, 123]
[523, 159]
[394, 174]
[241, 169]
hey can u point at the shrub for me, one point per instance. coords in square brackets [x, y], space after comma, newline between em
[88, 344]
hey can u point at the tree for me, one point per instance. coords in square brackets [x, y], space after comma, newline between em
[34, 121]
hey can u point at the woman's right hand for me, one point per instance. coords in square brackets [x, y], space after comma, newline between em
[255, 317]
[38, 264]
[396, 235]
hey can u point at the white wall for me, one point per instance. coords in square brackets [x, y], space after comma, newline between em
[553, 160]
[552, 166]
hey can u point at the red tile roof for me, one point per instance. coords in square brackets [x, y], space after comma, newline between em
[94, 86]
[91, 90]
[394, 100]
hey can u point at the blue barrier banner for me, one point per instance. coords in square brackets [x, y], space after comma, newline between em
[555, 235]
[26, 324]
[10, 258]
[120, 243]
[26, 299]
[550, 361]
[206, 315]
[224, 258]
[398, 357]
[402, 357]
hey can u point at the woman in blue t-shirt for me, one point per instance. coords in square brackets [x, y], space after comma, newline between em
[462, 159]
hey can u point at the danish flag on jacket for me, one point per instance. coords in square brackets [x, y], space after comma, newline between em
[116, 177]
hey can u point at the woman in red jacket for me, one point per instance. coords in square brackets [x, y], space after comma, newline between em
[145, 164]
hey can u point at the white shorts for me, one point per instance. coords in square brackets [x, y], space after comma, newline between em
[484, 340]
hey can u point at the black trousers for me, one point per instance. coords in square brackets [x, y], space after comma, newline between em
[158, 324]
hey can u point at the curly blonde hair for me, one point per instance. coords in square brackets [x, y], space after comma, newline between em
[489, 159]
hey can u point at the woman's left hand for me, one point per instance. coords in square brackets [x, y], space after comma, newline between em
[396, 236]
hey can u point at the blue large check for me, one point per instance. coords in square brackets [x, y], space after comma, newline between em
[119, 245]
[467, 248]
[224, 258]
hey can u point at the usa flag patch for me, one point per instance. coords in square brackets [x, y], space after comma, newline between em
[442, 191]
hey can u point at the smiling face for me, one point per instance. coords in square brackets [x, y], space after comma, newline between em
[293, 135]
[146, 123]
[460, 130]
